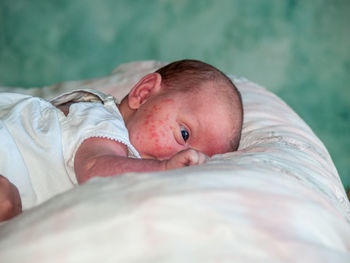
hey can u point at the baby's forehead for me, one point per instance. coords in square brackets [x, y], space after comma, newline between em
[211, 94]
[215, 87]
[210, 105]
[215, 93]
[221, 103]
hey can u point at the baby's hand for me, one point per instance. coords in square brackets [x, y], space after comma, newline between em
[186, 158]
[10, 201]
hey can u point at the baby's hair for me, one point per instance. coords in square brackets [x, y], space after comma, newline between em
[188, 75]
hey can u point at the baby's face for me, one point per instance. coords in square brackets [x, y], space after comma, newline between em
[173, 121]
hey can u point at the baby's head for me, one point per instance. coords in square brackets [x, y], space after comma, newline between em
[186, 104]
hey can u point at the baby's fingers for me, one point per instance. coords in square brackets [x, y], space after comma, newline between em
[201, 158]
[195, 157]
[186, 158]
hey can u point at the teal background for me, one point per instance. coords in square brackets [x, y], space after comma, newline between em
[299, 49]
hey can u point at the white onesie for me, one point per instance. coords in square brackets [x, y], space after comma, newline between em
[38, 142]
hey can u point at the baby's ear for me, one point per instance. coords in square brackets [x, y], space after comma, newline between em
[148, 86]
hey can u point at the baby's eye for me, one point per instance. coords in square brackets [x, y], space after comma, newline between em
[184, 133]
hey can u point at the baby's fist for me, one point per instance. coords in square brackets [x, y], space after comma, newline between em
[10, 201]
[186, 158]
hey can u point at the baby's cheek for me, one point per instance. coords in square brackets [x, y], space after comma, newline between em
[158, 137]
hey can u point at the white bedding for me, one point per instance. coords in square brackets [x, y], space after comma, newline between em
[278, 199]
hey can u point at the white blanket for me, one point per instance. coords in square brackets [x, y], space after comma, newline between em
[278, 199]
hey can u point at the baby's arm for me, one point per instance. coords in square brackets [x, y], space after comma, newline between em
[104, 157]
[10, 201]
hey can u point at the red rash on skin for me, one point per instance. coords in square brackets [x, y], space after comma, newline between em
[155, 128]
[152, 125]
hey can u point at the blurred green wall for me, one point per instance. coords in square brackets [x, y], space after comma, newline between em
[299, 49]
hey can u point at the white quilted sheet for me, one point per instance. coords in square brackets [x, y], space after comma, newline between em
[278, 199]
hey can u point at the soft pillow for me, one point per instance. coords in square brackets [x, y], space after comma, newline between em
[277, 199]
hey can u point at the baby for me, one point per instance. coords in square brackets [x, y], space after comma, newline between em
[174, 117]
